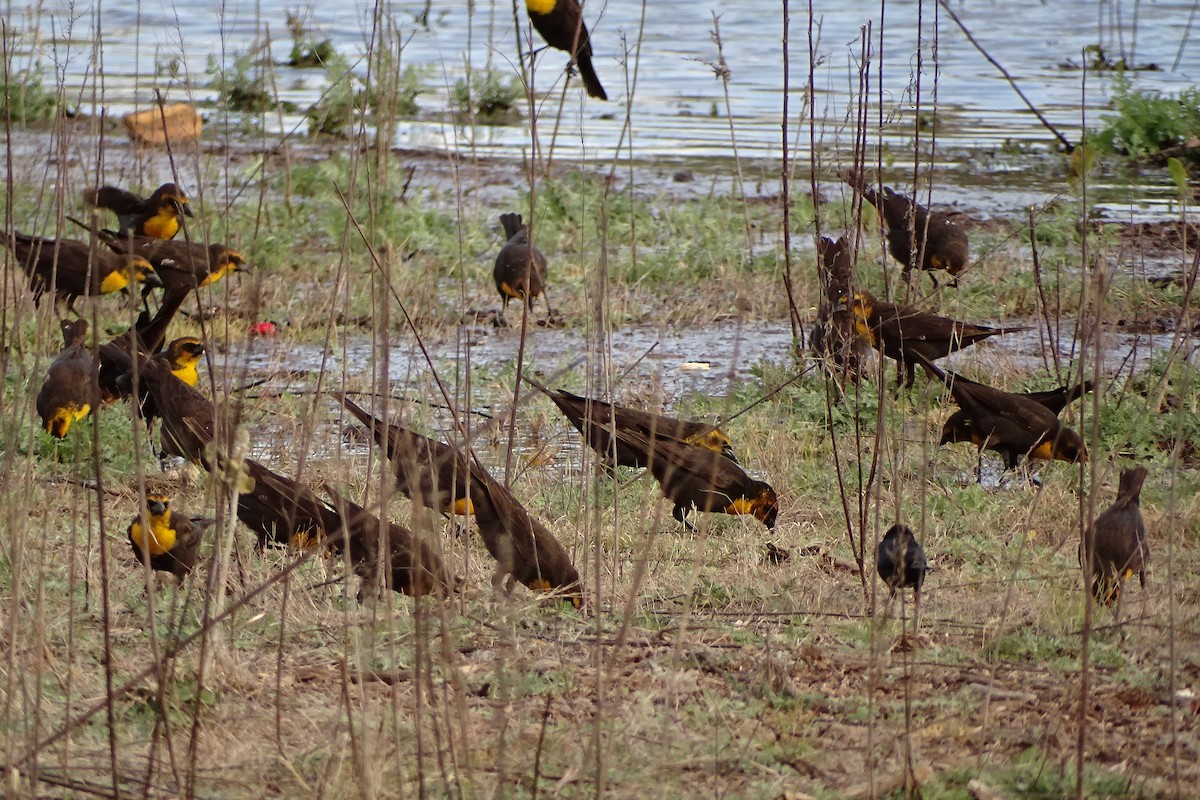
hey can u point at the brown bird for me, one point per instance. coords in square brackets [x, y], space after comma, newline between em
[410, 565]
[158, 216]
[595, 419]
[958, 427]
[429, 473]
[1114, 546]
[69, 389]
[915, 234]
[183, 355]
[696, 477]
[72, 269]
[1009, 424]
[524, 549]
[901, 564]
[169, 539]
[188, 417]
[438, 476]
[520, 271]
[902, 333]
[560, 22]
[147, 337]
[834, 338]
[283, 512]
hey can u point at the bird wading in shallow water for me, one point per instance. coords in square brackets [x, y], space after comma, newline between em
[560, 23]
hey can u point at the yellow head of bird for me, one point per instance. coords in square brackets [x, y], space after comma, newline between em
[142, 271]
[158, 505]
[59, 422]
[185, 353]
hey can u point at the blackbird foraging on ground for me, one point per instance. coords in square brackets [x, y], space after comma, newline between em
[170, 539]
[69, 389]
[1117, 540]
[520, 270]
[916, 235]
[901, 564]
[595, 419]
[72, 269]
[906, 335]
[834, 337]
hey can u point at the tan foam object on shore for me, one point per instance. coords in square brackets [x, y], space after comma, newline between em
[177, 123]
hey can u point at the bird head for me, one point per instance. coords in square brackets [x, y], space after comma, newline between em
[765, 506]
[142, 271]
[171, 198]
[158, 504]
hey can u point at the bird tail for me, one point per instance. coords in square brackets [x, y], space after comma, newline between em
[1130, 488]
[512, 224]
[856, 182]
[590, 81]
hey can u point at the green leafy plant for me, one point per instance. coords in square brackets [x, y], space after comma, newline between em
[26, 98]
[307, 50]
[490, 95]
[1147, 122]
[333, 114]
[239, 87]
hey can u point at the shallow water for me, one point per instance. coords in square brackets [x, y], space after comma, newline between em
[678, 110]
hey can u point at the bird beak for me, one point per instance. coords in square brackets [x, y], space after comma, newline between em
[186, 209]
[155, 507]
[727, 451]
[152, 279]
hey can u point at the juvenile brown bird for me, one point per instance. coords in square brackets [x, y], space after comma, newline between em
[283, 512]
[1117, 541]
[915, 235]
[905, 334]
[524, 549]
[901, 564]
[834, 337]
[520, 270]
[410, 565]
[441, 477]
[72, 269]
[697, 478]
[69, 389]
[429, 473]
[169, 539]
[595, 419]
[1009, 424]
[159, 215]
[560, 22]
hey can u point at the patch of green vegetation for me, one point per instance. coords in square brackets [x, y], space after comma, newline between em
[1147, 122]
[334, 114]
[241, 86]
[26, 98]
[490, 96]
[307, 50]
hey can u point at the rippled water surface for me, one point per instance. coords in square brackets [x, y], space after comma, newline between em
[679, 106]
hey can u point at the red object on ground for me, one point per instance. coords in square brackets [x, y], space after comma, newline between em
[263, 328]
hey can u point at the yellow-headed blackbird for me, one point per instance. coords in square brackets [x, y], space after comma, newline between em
[283, 512]
[1117, 540]
[179, 263]
[1009, 424]
[524, 549]
[902, 333]
[183, 355]
[438, 476]
[429, 473]
[411, 564]
[169, 539]
[147, 337]
[595, 419]
[71, 269]
[696, 477]
[158, 215]
[901, 563]
[520, 270]
[915, 234]
[69, 390]
[958, 426]
[560, 22]
[834, 336]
